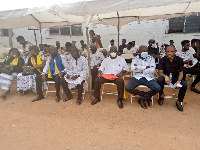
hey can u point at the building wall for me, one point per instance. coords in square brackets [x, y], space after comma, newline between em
[140, 32]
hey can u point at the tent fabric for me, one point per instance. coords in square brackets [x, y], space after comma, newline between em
[99, 12]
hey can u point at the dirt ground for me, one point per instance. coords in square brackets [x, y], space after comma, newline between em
[47, 125]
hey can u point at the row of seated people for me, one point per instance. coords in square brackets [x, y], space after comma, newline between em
[111, 69]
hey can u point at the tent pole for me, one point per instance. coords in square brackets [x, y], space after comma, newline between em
[35, 37]
[90, 77]
[10, 34]
[41, 37]
[118, 29]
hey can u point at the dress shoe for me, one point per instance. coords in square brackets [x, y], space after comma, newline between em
[143, 105]
[120, 104]
[149, 102]
[57, 98]
[195, 90]
[78, 102]
[38, 98]
[179, 106]
[96, 100]
[160, 101]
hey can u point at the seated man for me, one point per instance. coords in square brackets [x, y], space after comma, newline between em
[9, 70]
[53, 70]
[95, 62]
[76, 75]
[153, 50]
[36, 62]
[194, 70]
[188, 58]
[111, 71]
[121, 47]
[172, 64]
[143, 66]
[129, 49]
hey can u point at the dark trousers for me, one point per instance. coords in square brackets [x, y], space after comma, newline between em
[56, 79]
[65, 87]
[38, 80]
[118, 81]
[94, 73]
[182, 90]
[194, 71]
[152, 84]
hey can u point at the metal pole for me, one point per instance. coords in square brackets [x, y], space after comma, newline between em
[35, 37]
[118, 29]
[90, 77]
[10, 38]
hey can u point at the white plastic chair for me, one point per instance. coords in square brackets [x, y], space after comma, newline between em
[133, 96]
[52, 91]
[109, 93]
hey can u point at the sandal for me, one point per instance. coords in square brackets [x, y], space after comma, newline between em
[67, 98]
[78, 102]
[3, 97]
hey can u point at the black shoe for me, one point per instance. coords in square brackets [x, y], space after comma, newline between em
[38, 98]
[141, 102]
[96, 100]
[78, 102]
[57, 98]
[195, 90]
[120, 104]
[68, 98]
[160, 101]
[179, 106]
[149, 102]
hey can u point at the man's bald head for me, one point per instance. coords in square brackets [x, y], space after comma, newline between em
[53, 50]
[92, 46]
[143, 48]
[113, 49]
[52, 47]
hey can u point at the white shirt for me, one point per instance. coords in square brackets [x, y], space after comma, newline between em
[113, 66]
[96, 59]
[140, 70]
[186, 56]
[66, 57]
[131, 51]
[81, 68]
[136, 47]
[26, 47]
[192, 51]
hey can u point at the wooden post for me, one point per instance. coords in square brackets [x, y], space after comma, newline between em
[118, 29]
[35, 37]
[90, 77]
[10, 34]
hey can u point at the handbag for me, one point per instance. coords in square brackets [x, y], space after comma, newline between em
[27, 71]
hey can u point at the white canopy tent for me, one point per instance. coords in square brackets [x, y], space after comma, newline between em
[98, 11]
[109, 12]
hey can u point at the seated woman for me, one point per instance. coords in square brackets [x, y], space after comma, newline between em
[76, 75]
[27, 82]
[9, 70]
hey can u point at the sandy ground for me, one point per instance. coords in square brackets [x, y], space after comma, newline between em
[47, 125]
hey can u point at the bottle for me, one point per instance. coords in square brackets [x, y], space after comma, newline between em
[11, 66]
[170, 78]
